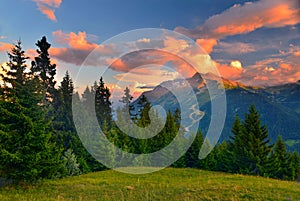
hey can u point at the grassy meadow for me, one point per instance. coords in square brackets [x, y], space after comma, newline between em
[168, 184]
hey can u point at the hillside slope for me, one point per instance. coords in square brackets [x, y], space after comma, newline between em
[279, 106]
[168, 184]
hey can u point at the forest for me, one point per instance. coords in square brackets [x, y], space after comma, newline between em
[38, 138]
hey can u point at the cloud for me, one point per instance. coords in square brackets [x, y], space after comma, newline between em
[3, 37]
[241, 19]
[4, 47]
[47, 7]
[139, 79]
[154, 57]
[78, 41]
[236, 64]
[233, 71]
[235, 48]
[144, 40]
[80, 45]
[207, 44]
[268, 73]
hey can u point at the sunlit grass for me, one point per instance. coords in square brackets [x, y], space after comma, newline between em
[168, 184]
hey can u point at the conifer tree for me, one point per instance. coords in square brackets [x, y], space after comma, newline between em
[144, 109]
[278, 166]
[236, 159]
[126, 100]
[27, 150]
[42, 67]
[103, 104]
[192, 154]
[293, 166]
[249, 148]
[256, 142]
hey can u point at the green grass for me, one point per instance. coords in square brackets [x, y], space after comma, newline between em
[168, 184]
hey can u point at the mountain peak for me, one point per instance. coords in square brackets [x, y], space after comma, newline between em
[228, 84]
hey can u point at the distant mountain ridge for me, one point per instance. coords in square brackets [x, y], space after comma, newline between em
[279, 106]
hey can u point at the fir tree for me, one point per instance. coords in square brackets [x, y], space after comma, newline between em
[256, 139]
[144, 109]
[249, 148]
[293, 166]
[192, 154]
[126, 100]
[42, 66]
[278, 167]
[27, 150]
[103, 104]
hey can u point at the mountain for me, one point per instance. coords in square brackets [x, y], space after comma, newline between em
[279, 106]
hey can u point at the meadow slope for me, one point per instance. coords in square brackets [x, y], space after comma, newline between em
[168, 184]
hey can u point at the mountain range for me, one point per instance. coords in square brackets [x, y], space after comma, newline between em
[279, 106]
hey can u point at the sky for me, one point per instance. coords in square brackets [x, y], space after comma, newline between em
[253, 42]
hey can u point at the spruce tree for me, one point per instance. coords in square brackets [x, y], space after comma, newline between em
[256, 142]
[278, 166]
[249, 146]
[103, 104]
[236, 159]
[27, 150]
[126, 100]
[192, 154]
[293, 166]
[42, 66]
[144, 109]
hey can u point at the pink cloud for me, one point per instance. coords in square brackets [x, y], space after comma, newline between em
[229, 72]
[4, 47]
[47, 7]
[151, 57]
[207, 44]
[76, 41]
[79, 47]
[241, 19]
[268, 74]
[235, 48]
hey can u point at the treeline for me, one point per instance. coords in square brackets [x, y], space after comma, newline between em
[38, 137]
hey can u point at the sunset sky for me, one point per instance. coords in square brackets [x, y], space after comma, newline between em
[254, 42]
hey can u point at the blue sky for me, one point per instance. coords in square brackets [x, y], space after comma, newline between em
[254, 42]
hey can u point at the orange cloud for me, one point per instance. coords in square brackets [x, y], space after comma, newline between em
[207, 44]
[229, 71]
[241, 19]
[79, 47]
[271, 72]
[47, 7]
[4, 47]
[76, 41]
[151, 57]
[297, 53]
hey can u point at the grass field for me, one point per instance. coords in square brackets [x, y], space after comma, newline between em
[168, 184]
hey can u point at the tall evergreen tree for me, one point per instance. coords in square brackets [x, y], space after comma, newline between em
[294, 166]
[103, 104]
[126, 100]
[192, 154]
[27, 150]
[43, 68]
[249, 145]
[278, 166]
[144, 107]
[257, 147]
[65, 93]
[16, 74]
[236, 158]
